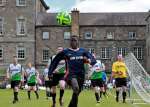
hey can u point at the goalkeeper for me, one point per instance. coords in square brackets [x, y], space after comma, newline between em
[119, 72]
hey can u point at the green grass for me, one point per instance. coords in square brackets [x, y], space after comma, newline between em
[86, 99]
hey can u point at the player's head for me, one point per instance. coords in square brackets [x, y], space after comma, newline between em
[47, 65]
[59, 49]
[119, 57]
[29, 64]
[15, 61]
[74, 42]
[94, 55]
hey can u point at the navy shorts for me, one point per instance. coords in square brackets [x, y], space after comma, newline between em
[97, 82]
[56, 78]
[15, 83]
[48, 83]
[120, 82]
[32, 84]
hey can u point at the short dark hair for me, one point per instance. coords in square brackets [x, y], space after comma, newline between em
[74, 36]
[14, 56]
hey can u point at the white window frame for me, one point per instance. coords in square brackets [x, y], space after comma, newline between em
[110, 35]
[91, 50]
[18, 29]
[21, 48]
[45, 35]
[18, 3]
[131, 33]
[2, 24]
[3, 3]
[67, 35]
[2, 53]
[122, 51]
[88, 32]
[138, 52]
[105, 52]
[44, 56]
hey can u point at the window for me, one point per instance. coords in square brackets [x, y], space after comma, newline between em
[110, 35]
[88, 35]
[132, 35]
[21, 28]
[45, 35]
[66, 35]
[20, 2]
[122, 51]
[1, 26]
[45, 54]
[21, 53]
[106, 53]
[1, 53]
[138, 52]
[91, 50]
[2, 2]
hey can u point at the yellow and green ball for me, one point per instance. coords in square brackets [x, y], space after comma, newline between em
[63, 18]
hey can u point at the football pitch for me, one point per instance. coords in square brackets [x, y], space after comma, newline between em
[86, 99]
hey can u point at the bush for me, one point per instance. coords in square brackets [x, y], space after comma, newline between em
[2, 72]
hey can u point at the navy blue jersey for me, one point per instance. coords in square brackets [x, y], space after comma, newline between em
[75, 61]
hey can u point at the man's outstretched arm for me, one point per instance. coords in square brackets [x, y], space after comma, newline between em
[60, 56]
[90, 58]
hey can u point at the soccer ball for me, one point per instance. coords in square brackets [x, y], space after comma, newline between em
[63, 18]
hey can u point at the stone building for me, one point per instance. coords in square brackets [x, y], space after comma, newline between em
[17, 30]
[148, 43]
[26, 30]
[106, 34]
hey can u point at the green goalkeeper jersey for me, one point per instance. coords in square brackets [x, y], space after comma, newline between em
[97, 71]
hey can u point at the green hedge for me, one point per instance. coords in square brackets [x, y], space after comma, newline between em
[2, 71]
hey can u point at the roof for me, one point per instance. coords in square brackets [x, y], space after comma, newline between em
[97, 19]
[44, 4]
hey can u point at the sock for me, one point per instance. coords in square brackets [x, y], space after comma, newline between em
[117, 96]
[29, 94]
[117, 93]
[50, 94]
[61, 94]
[97, 96]
[101, 94]
[46, 93]
[37, 95]
[104, 93]
[124, 96]
[16, 96]
[74, 100]
[54, 97]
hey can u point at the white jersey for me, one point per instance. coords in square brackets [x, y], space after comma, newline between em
[15, 71]
[45, 74]
[31, 75]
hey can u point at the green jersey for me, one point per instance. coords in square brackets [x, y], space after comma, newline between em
[31, 75]
[96, 75]
[97, 71]
[15, 72]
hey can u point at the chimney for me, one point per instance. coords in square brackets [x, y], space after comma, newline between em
[75, 22]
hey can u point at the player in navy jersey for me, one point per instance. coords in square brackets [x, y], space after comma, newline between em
[75, 58]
